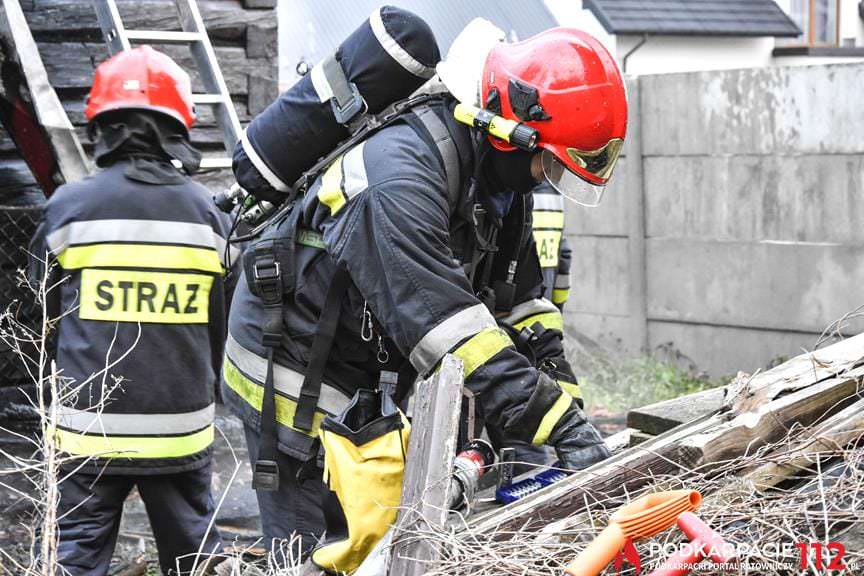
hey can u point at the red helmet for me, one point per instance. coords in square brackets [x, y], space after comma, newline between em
[145, 79]
[564, 83]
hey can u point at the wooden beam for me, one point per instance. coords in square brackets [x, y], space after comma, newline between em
[803, 390]
[835, 433]
[426, 487]
[662, 416]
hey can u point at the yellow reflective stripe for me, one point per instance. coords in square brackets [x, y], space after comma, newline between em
[554, 220]
[549, 320]
[140, 256]
[133, 446]
[330, 194]
[571, 388]
[481, 348]
[562, 404]
[548, 245]
[253, 394]
[560, 295]
[138, 296]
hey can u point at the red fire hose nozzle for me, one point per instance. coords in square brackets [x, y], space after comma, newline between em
[704, 542]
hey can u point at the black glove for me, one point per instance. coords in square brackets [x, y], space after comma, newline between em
[576, 441]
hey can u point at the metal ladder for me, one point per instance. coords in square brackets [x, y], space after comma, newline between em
[194, 35]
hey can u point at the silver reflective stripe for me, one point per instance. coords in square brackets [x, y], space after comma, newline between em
[91, 422]
[530, 308]
[319, 82]
[395, 50]
[354, 172]
[122, 230]
[562, 281]
[288, 382]
[443, 337]
[262, 167]
[549, 202]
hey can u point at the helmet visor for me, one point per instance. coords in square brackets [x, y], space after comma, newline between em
[600, 162]
[569, 184]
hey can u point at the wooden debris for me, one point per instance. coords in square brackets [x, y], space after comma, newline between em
[663, 416]
[803, 390]
[425, 490]
[836, 432]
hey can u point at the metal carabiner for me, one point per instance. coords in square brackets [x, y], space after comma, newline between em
[366, 331]
[383, 355]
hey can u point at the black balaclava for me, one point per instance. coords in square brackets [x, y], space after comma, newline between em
[149, 140]
[507, 174]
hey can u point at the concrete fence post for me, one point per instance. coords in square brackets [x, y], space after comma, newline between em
[637, 298]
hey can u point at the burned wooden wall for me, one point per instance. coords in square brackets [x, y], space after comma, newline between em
[71, 45]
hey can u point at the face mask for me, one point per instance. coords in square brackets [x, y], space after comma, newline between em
[510, 171]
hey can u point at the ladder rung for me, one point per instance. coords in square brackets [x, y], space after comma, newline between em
[163, 36]
[208, 98]
[211, 163]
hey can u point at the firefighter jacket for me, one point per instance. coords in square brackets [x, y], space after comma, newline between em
[384, 212]
[553, 249]
[141, 251]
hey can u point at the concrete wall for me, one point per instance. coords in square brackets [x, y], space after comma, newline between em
[733, 225]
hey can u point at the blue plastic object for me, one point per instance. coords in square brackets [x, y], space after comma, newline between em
[518, 490]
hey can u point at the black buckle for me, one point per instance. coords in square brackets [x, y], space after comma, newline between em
[266, 476]
[261, 268]
[344, 114]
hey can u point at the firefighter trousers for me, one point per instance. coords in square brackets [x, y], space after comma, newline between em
[297, 507]
[179, 507]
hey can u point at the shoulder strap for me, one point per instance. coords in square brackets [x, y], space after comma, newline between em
[446, 146]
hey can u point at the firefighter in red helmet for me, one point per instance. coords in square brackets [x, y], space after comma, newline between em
[141, 252]
[414, 243]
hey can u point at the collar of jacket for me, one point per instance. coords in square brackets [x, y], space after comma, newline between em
[153, 170]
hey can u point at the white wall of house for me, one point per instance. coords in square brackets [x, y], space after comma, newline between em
[663, 54]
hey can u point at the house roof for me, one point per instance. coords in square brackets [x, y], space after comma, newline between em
[311, 30]
[693, 17]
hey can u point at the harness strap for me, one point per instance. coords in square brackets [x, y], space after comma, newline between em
[266, 280]
[325, 331]
[446, 148]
